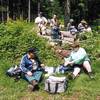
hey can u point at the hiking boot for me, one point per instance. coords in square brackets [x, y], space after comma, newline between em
[30, 88]
[34, 82]
[91, 75]
[71, 76]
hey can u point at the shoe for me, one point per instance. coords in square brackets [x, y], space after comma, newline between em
[35, 85]
[30, 88]
[34, 82]
[71, 76]
[91, 75]
[36, 88]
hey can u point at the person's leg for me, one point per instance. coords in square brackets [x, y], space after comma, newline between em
[32, 85]
[43, 29]
[88, 68]
[37, 75]
[40, 30]
[32, 81]
[76, 71]
[62, 37]
[74, 74]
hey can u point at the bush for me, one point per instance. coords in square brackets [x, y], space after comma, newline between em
[92, 46]
[16, 38]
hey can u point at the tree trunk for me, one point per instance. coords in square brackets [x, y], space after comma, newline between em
[7, 10]
[39, 4]
[29, 10]
[67, 12]
[2, 15]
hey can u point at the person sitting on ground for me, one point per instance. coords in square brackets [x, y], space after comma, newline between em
[81, 26]
[73, 30]
[87, 28]
[55, 28]
[32, 68]
[78, 59]
[42, 22]
[54, 21]
[71, 22]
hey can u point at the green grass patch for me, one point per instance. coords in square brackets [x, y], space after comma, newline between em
[15, 38]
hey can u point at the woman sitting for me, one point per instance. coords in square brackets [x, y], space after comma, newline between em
[78, 59]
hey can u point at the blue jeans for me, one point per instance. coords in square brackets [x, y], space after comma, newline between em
[36, 76]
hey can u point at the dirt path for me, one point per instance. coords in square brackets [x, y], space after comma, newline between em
[65, 40]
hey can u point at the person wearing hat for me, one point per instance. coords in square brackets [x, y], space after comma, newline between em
[78, 59]
[87, 28]
[32, 68]
[71, 22]
[81, 26]
[73, 30]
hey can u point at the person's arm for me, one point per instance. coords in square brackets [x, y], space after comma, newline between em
[41, 65]
[51, 22]
[37, 20]
[45, 20]
[22, 65]
[67, 61]
[80, 56]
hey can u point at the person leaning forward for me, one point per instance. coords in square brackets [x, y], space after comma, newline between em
[32, 68]
[78, 59]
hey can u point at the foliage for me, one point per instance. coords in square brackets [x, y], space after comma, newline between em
[79, 9]
[52, 8]
[91, 41]
[16, 38]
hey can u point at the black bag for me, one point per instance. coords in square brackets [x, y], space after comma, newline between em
[55, 33]
[14, 71]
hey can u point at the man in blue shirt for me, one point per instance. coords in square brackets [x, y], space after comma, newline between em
[32, 68]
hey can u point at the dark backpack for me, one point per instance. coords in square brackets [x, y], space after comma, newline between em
[14, 71]
[55, 33]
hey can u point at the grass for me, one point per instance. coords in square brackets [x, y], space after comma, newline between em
[82, 88]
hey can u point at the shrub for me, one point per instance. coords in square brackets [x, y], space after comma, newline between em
[16, 38]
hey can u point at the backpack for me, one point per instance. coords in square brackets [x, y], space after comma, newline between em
[56, 84]
[55, 33]
[14, 71]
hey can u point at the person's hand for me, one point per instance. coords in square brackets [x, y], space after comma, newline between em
[59, 50]
[71, 62]
[42, 65]
[32, 60]
[66, 63]
[29, 73]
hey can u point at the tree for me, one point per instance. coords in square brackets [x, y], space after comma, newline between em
[7, 10]
[66, 9]
[39, 6]
[2, 14]
[66, 12]
[29, 10]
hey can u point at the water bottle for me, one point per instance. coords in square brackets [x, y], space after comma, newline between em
[35, 65]
[62, 71]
